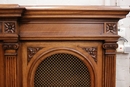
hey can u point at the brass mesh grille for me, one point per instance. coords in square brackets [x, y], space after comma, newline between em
[62, 70]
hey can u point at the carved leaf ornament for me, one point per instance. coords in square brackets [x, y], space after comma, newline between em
[32, 51]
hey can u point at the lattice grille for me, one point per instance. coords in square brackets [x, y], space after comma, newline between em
[62, 70]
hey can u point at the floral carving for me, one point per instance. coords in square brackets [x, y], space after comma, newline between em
[31, 51]
[8, 46]
[92, 51]
[111, 28]
[9, 27]
[110, 45]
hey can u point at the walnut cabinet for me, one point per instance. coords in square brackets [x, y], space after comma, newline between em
[58, 46]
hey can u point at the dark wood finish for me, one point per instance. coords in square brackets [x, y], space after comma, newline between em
[30, 34]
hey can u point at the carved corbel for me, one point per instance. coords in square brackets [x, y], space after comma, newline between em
[10, 61]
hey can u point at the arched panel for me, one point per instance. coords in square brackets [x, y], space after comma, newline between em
[61, 67]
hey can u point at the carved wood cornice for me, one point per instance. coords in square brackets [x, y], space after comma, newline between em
[74, 12]
[11, 10]
[9, 14]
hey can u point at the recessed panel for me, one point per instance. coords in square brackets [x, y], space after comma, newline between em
[62, 70]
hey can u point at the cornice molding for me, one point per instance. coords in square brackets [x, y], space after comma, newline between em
[75, 12]
[39, 11]
[11, 10]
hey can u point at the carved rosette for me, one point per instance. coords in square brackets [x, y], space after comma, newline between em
[31, 51]
[111, 28]
[9, 27]
[92, 51]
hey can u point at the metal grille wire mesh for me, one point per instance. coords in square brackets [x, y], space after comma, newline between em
[62, 70]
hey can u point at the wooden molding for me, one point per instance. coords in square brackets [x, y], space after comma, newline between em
[11, 10]
[74, 12]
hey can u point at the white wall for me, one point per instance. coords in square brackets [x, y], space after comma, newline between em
[123, 60]
[53, 2]
[123, 2]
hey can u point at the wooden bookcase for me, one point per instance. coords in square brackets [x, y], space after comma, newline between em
[54, 46]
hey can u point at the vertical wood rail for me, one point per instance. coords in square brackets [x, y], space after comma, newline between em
[10, 54]
[110, 64]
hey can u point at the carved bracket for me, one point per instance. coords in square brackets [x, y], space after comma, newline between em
[92, 51]
[31, 51]
[111, 28]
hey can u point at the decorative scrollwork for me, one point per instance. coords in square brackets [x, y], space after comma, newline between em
[31, 51]
[9, 27]
[111, 28]
[110, 45]
[8, 46]
[92, 51]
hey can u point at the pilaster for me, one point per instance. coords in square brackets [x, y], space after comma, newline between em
[109, 63]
